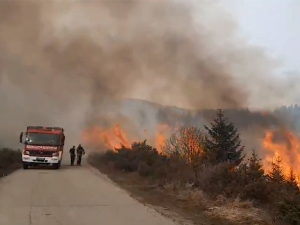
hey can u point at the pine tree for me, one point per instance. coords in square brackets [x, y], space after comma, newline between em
[255, 169]
[292, 181]
[276, 174]
[223, 141]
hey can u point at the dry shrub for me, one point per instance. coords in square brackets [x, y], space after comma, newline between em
[258, 190]
[222, 179]
[194, 197]
[288, 209]
[10, 160]
[179, 171]
[214, 179]
[237, 211]
[144, 169]
[147, 162]
[140, 158]
[285, 202]
[187, 145]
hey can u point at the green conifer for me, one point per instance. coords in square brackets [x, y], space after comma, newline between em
[223, 142]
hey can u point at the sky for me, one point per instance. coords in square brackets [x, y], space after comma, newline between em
[272, 24]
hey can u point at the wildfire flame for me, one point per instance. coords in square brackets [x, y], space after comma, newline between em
[161, 137]
[287, 151]
[266, 113]
[111, 138]
[115, 137]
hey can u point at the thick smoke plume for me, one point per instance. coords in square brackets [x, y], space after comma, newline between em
[68, 63]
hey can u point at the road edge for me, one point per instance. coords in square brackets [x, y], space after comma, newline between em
[166, 213]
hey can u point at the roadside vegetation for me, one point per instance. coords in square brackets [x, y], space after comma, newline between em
[10, 160]
[206, 173]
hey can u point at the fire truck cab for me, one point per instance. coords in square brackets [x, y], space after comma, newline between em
[42, 146]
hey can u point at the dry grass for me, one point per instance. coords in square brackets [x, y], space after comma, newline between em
[239, 212]
[191, 196]
[233, 210]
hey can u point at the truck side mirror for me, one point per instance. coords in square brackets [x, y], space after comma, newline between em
[21, 137]
[63, 141]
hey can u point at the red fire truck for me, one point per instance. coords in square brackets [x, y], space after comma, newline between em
[42, 146]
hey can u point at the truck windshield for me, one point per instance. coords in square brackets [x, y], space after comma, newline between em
[42, 139]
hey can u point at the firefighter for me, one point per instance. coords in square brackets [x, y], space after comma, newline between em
[72, 155]
[80, 153]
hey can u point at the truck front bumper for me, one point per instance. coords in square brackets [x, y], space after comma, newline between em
[30, 160]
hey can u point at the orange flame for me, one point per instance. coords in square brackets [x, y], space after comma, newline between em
[115, 137]
[109, 138]
[266, 113]
[288, 152]
[161, 137]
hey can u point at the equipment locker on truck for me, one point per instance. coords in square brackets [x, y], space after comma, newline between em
[42, 146]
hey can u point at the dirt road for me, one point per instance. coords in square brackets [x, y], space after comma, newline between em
[69, 196]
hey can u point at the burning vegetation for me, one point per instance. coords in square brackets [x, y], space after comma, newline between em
[112, 138]
[282, 146]
[212, 160]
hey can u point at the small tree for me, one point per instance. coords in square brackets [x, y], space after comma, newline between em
[284, 193]
[255, 168]
[291, 181]
[254, 186]
[223, 141]
[276, 174]
[188, 144]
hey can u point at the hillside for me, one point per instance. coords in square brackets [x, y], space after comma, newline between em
[134, 120]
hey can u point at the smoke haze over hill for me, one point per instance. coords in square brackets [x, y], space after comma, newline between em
[67, 63]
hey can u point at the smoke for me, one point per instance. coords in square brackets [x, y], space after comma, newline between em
[68, 63]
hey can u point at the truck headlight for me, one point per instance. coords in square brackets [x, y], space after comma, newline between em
[26, 152]
[55, 154]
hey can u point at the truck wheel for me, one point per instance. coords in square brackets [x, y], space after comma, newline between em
[57, 166]
[25, 166]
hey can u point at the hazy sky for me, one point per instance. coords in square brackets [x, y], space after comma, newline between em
[274, 24]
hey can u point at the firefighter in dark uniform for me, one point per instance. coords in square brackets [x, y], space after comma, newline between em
[80, 153]
[72, 155]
